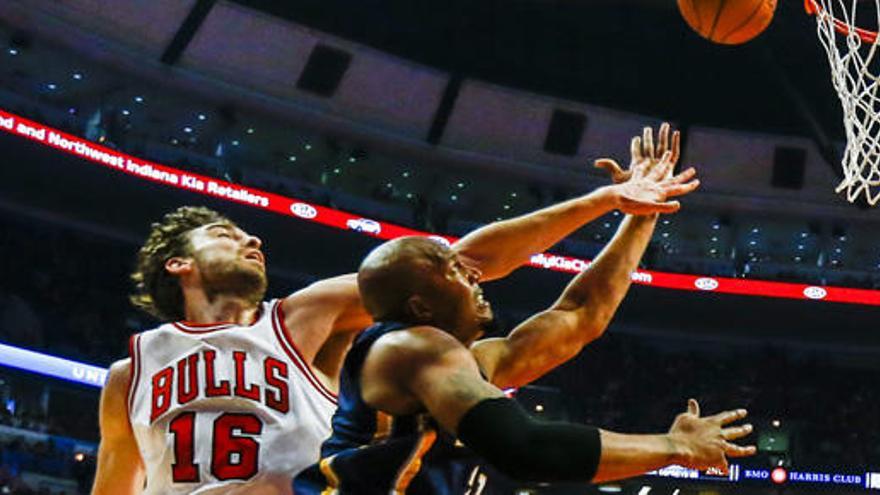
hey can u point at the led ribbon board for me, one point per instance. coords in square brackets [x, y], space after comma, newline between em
[172, 177]
[743, 474]
[56, 367]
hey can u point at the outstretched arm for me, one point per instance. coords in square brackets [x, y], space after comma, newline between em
[578, 317]
[501, 247]
[586, 306]
[427, 368]
[120, 468]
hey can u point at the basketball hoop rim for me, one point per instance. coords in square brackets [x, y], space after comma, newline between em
[841, 27]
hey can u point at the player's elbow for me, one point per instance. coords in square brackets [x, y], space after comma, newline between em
[587, 323]
[595, 324]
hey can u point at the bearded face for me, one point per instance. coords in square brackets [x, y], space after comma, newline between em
[229, 262]
[231, 275]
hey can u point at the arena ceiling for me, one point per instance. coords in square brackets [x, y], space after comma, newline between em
[635, 55]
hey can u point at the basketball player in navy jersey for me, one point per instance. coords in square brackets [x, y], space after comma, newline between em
[421, 401]
[209, 399]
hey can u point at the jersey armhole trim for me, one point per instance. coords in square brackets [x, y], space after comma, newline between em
[134, 371]
[295, 355]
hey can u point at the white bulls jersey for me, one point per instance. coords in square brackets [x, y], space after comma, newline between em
[225, 408]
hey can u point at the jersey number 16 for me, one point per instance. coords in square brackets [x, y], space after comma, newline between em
[235, 453]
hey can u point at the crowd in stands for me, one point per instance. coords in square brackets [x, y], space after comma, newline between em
[38, 455]
[65, 292]
[41, 468]
[827, 410]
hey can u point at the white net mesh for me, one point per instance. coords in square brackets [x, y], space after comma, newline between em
[855, 72]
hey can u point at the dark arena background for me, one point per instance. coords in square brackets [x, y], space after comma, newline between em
[327, 126]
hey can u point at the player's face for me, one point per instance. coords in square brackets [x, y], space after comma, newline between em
[229, 261]
[471, 311]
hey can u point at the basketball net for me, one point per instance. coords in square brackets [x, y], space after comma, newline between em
[854, 56]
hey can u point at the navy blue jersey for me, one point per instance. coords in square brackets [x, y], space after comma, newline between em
[370, 452]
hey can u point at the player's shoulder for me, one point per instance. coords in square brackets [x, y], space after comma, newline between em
[114, 400]
[404, 355]
[422, 342]
[120, 366]
[153, 329]
[118, 376]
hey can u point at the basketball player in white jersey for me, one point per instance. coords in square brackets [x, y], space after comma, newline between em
[235, 394]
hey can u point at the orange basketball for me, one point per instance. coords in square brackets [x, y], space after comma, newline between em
[729, 22]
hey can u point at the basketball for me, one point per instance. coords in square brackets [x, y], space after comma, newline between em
[728, 22]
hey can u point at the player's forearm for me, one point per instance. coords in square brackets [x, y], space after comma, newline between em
[501, 247]
[117, 473]
[598, 291]
[528, 449]
[580, 316]
[625, 456]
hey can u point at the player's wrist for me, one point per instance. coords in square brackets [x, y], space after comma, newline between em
[679, 450]
[609, 197]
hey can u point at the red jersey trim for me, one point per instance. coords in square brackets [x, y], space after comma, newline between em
[134, 371]
[293, 352]
[201, 327]
[192, 327]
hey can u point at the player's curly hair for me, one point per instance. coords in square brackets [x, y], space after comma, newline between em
[156, 291]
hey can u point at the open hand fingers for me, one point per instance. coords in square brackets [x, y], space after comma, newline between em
[683, 176]
[662, 168]
[734, 450]
[667, 207]
[694, 407]
[648, 142]
[726, 417]
[618, 175]
[735, 432]
[676, 146]
[637, 207]
[681, 189]
[635, 150]
[663, 139]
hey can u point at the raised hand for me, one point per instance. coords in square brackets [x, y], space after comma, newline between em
[707, 441]
[648, 184]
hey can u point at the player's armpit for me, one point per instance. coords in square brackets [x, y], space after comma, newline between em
[120, 468]
[327, 307]
[430, 367]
